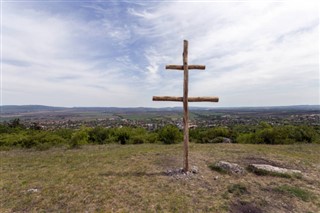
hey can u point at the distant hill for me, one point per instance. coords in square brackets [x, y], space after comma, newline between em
[12, 109]
[8, 109]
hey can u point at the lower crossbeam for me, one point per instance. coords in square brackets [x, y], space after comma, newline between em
[190, 99]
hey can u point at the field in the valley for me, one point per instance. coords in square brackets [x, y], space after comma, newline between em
[133, 178]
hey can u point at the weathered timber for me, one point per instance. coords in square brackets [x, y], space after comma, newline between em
[190, 67]
[185, 106]
[203, 99]
[185, 99]
[190, 99]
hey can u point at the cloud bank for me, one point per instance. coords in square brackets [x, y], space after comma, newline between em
[114, 53]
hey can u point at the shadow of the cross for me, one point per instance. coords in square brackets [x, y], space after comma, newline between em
[132, 174]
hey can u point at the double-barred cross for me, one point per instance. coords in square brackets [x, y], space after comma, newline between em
[185, 99]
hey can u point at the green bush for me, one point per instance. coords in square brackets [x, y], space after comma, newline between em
[287, 134]
[267, 136]
[139, 136]
[13, 126]
[29, 139]
[123, 135]
[79, 138]
[5, 129]
[99, 135]
[12, 139]
[152, 137]
[211, 135]
[13, 134]
[246, 138]
[137, 139]
[170, 134]
[64, 133]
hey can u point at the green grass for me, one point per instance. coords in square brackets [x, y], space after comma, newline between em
[295, 191]
[216, 168]
[132, 178]
[238, 189]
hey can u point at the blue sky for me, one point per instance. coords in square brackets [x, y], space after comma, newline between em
[113, 53]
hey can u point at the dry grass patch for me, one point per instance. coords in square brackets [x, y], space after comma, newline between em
[132, 178]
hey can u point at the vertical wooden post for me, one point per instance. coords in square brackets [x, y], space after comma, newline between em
[185, 99]
[185, 107]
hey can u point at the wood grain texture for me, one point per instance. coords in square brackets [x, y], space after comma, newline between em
[185, 99]
[190, 99]
[185, 106]
[190, 67]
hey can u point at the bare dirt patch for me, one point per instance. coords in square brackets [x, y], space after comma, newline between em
[244, 207]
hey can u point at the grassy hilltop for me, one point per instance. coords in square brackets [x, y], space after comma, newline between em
[115, 160]
[132, 178]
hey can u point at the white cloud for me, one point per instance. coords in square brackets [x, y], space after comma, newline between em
[264, 53]
[251, 50]
[52, 60]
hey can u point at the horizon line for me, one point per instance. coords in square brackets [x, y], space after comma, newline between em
[263, 106]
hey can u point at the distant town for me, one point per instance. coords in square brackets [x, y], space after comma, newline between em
[51, 118]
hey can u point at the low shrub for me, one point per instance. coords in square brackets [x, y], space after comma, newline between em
[99, 135]
[170, 134]
[14, 134]
[286, 134]
[152, 137]
[138, 139]
[123, 135]
[29, 139]
[64, 133]
[79, 138]
[211, 135]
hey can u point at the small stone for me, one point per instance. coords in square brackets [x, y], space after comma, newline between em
[274, 169]
[194, 170]
[32, 190]
[180, 173]
[230, 167]
[216, 178]
[226, 140]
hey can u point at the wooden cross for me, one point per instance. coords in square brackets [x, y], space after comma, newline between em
[185, 99]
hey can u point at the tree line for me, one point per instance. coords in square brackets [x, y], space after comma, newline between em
[15, 134]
